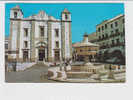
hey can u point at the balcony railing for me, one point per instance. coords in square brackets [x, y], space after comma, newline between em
[117, 44]
[111, 36]
[104, 47]
[112, 45]
[115, 34]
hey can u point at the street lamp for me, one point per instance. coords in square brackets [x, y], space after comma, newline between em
[14, 64]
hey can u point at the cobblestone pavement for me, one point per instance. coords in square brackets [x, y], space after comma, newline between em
[36, 74]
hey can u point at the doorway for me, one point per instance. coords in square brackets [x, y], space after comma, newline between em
[57, 55]
[41, 54]
[25, 56]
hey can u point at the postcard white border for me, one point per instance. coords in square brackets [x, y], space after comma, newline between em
[70, 91]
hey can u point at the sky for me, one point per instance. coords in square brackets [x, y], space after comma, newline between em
[85, 16]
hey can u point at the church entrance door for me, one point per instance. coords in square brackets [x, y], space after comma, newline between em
[41, 54]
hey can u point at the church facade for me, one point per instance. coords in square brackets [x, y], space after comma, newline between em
[39, 37]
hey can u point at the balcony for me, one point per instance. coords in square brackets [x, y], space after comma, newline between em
[104, 47]
[117, 44]
[112, 45]
[111, 36]
[101, 39]
[115, 34]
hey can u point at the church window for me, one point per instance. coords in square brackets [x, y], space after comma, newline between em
[41, 31]
[26, 32]
[66, 16]
[57, 44]
[57, 32]
[26, 44]
[15, 14]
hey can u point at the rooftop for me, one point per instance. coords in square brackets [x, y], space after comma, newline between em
[84, 44]
[112, 19]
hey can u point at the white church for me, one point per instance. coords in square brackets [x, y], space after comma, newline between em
[39, 37]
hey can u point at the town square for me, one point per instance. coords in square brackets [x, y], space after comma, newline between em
[71, 43]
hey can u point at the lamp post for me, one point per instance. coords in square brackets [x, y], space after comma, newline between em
[14, 65]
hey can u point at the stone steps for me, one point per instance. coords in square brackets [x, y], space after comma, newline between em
[41, 63]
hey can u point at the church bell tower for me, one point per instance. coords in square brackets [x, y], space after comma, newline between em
[66, 34]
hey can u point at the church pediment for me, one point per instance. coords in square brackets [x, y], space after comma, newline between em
[42, 15]
[41, 45]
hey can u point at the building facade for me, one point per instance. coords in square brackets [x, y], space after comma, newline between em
[111, 38]
[85, 50]
[40, 37]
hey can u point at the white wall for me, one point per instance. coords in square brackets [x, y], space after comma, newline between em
[14, 35]
[56, 25]
[67, 46]
[24, 24]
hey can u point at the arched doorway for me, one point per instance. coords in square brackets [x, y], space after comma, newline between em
[120, 59]
[41, 46]
[25, 55]
[41, 54]
[117, 53]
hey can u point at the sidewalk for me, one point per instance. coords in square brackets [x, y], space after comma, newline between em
[20, 66]
[35, 74]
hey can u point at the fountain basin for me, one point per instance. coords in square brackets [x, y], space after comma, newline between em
[81, 75]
